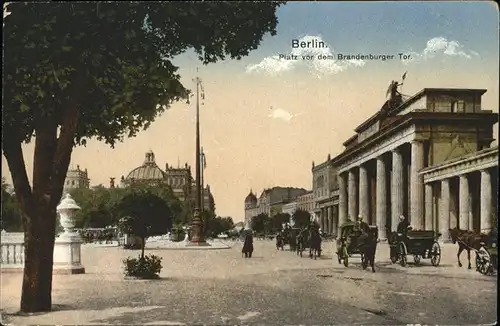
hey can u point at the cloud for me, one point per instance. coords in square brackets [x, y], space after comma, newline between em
[441, 46]
[279, 63]
[283, 115]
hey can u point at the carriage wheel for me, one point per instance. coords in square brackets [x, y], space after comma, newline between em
[402, 253]
[435, 254]
[393, 255]
[483, 266]
[416, 259]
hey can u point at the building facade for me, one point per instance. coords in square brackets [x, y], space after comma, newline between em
[305, 202]
[427, 158]
[270, 202]
[179, 179]
[76, 178]
[325, 195]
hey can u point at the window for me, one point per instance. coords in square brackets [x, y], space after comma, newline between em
[458, 106]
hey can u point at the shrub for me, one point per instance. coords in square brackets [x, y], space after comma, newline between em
[146, 267]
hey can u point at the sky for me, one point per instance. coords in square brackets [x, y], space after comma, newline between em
[265, 119]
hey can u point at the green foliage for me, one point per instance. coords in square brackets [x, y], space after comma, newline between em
[177, 234]
[99, 204]
[147, 267]
[112, 60]
[147, 214]
[302, 218]
[262, 223]
[215, 225]
[11, 214]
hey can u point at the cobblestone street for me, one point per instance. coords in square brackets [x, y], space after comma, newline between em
[274, 287]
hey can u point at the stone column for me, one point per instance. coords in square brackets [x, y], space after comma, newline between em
[485, 201]
[325, 219]
[444, 210]
[417, 186]
[352, 195]
[397, 188]
[335, 214]
[381, 209]
[363, 193]
[329, 219]
[342, 200]
[428, 207]
[464, 203]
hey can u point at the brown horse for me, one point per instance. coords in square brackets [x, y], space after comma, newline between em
[368, 247]
[467, 240]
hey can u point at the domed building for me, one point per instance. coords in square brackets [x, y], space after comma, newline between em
[250, 208]
[179, 179]
[148, 172]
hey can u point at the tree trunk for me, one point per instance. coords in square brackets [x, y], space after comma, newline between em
[143, 239]
[39, 238]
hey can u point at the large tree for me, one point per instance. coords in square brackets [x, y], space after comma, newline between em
[301, 218]
[75, 71]
[279, 219]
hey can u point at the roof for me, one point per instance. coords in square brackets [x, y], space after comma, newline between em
[421, 93]
[146, 172]
[251, 198]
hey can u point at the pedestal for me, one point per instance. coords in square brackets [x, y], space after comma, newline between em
[67, 254]
[197, 239]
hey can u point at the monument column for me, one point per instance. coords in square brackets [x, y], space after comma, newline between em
[381, 188]
[352, 195]
[342, 200]
[428, 207]
[485, 201]
[417, 185]
[463, 202]
[363, 193]
[396, 187]
[444, 210]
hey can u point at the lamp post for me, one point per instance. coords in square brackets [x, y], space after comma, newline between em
[197, 238]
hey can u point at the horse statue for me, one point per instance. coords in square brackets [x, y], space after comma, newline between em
[247, 249]
[467, 240]
[314, 243]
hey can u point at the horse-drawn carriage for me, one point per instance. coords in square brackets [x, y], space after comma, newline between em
[487, 257]
[348, 243]
[420, 244]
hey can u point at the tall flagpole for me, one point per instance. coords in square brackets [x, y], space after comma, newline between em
[197, 238]
[202, 163]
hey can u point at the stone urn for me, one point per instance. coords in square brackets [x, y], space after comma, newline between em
[67, 210]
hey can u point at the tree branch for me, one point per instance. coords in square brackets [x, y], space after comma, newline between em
[63, 151]
[45, 146]
[13, 152]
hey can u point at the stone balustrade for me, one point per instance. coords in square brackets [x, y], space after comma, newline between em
[12, 255]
